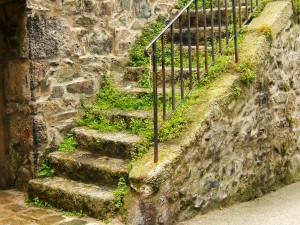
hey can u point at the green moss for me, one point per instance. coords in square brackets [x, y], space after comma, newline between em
[183, 3]
[291, 120]
[266, 31]
[69, 144]
[286, 87]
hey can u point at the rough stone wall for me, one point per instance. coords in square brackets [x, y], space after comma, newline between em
[16, 90]
[247, 148]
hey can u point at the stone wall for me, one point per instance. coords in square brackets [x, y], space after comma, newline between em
[246, 148]
[15, 78]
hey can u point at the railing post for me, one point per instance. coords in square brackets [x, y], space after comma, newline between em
[235, 31]
[155, 108]
[197, 39]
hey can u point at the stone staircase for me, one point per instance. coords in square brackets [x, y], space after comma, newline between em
[86, 178]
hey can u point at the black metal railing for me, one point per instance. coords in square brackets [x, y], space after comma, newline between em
[201, 53]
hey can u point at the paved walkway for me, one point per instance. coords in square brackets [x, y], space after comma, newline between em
[14, 211]
[277, 208]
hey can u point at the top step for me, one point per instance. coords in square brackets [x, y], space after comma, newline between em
[209, 16]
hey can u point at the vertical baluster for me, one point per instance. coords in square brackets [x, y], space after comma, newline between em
[251, 3]
[226, 16]
[205, 35]
[155, 107]
[197, 40]
[220, 21]
[235, 31]
[189, 48]
[172, 67]
[181, 59]
[256, 2]
[163, 75]
[212, 31]
[240, 13]
[246, 3]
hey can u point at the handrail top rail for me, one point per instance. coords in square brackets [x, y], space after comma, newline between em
[166, 27]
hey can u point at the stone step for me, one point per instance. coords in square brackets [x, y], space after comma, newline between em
[208, 16]
[127, 116]
[88, 167]
[136, 73]
[117, 144]
[95, 201]
[193, 35]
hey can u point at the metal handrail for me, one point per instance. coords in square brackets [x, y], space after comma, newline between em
[249, 9]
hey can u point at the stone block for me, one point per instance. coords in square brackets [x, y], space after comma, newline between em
[67, 72]
[16, 86]
[100, 43]
[85, 21]
[71, 7]
[81, 87]
[57, 92]
[48, 37]
[142, 9]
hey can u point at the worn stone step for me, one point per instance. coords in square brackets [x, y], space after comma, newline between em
[117, 144]
[95, 201]
[128, 116]
[193, 35]
[88, 167]
[136, 73]
[208, 16]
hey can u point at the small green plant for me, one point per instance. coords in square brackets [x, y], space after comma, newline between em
[296, 4]
[286, 87]
[119, 193]
[247, 72]
[236, 91]
[291, 120]
[284, 150]
[38, 203]
[69, 144]
[266, 31]
[45, 170]
[79, 213]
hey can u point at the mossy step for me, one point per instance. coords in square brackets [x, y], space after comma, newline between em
[117, 144]
[88, 167]
[193, 34]
[95, 201]
[136, 73]
[128, 116]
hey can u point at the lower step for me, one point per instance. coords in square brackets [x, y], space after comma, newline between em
[95, 201]
[88, 167]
